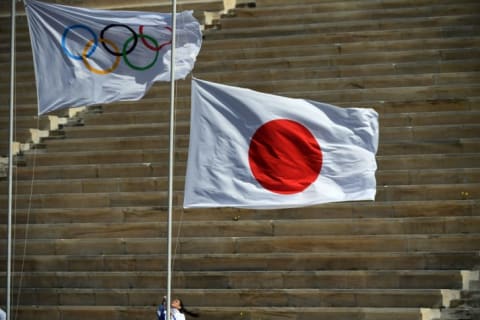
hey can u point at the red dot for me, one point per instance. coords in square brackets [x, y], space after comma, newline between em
[284, 156]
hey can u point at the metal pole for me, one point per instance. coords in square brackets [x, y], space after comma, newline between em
[10, 161]
[171, 158]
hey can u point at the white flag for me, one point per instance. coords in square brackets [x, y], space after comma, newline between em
[254, 150]
[84, 57]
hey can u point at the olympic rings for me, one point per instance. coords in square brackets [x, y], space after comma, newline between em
[128, 47]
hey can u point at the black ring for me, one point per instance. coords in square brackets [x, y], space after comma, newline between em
[135, 39]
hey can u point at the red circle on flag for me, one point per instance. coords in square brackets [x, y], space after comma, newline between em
[284, 156]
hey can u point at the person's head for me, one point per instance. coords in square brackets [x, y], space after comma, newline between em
[177, 304]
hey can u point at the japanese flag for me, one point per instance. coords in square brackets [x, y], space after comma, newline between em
[255, 150]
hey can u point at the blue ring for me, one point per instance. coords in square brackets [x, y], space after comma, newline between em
[92, 49]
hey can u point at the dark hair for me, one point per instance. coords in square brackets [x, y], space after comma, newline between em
[185, 311]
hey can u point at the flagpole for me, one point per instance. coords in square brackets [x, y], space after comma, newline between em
[10, 160]
[171, 158]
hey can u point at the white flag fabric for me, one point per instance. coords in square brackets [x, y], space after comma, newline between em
[261, 151]
[84, 56]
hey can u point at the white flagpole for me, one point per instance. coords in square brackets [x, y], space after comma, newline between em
[171, 158]
[10, 161]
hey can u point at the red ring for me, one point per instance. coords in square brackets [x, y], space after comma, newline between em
[157, 48]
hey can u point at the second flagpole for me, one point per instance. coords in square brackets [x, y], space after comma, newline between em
[171, 158]
[10, 161]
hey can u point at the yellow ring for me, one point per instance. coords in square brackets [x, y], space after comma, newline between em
[98, 71]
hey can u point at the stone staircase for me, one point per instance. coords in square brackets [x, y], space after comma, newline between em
[91, 184]
[466, 305]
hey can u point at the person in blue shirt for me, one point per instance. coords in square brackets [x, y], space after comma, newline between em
[177, 310]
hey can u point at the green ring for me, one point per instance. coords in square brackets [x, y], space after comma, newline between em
[124, 53]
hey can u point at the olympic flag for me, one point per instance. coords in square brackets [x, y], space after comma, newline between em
[255, 150]
[84, 57]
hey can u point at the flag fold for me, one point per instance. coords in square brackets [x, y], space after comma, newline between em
[262, 151]
[89, 56]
